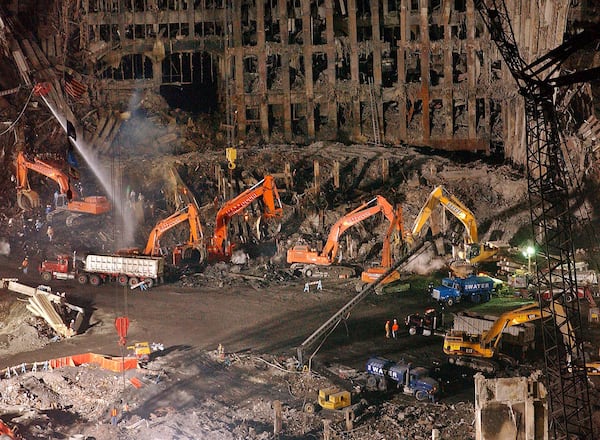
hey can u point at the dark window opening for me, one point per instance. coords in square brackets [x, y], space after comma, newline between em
[199, 95]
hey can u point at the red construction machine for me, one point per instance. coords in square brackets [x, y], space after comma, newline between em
[193, 250]
[220, 247]
[68, 200]
[304, 259]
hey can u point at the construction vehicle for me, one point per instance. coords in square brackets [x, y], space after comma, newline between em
[550, 188]
[141, 350]
[413, 381]
[480, 351]
[329, 398]
[453, 290]
[395, 231]
[128, 270]
[583, 292]
[344, 311]
[193, 250]
[68, 200]
[219, 247]
[425, 324]
[305, 260]
[474, 252]
[7, 433]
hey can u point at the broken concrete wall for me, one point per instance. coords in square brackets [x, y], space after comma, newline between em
[418, 72]
[513, 408]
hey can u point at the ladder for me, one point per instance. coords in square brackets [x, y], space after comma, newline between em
[374, 113]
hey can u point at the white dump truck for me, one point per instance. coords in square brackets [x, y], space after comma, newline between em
[128, 270]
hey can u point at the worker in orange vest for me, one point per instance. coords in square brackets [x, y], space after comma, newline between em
[395, 328]
[25, 265]
[113, 416]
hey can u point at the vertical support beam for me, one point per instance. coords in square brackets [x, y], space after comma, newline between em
[331, 57]
[326, 429]
[277, 417]
[336, 174]
[404, 33]
[285, 68]
[307, 51]
[377, 75]
[239, 102]
[289, 182]
[425, 54]
[448, 97]
[316, 176]
[385, 169]
[354, 77]
[262, 69]
[471, 90]
[376, 40]
[349, 416]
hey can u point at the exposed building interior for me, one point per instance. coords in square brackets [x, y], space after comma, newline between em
[240, 153]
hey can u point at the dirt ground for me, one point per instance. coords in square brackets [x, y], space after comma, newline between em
[258, 312]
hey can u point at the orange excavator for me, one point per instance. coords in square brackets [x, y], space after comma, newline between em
[395, 232]
[219, 247]
[68, 199]
[193, 250]
[7, 432]
[304, 259]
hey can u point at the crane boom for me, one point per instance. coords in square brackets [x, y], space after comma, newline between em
[551, 220]
[342, 313]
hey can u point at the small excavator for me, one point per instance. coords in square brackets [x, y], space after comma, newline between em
[305, 260]
[219, 246]
[68, 200]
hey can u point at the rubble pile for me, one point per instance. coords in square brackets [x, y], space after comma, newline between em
[175, 402]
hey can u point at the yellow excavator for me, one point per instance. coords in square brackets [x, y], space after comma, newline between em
[474, 252]
[480, 351]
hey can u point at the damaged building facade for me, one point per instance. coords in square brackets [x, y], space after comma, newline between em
[416, 72]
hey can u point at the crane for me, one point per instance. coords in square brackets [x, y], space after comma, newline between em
[219, 247]
[551, 217]
[68, 200]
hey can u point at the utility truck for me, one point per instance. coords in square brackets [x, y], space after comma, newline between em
[424, 324]
[125, 269]
[454, 290]
[412, 380]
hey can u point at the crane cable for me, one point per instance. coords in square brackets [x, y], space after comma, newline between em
[21, 113]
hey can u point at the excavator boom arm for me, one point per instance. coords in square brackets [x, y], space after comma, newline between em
[364, 211]
[189, 213]
[23, 165]
[527, 313]
[439, 196]
[266, 189]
